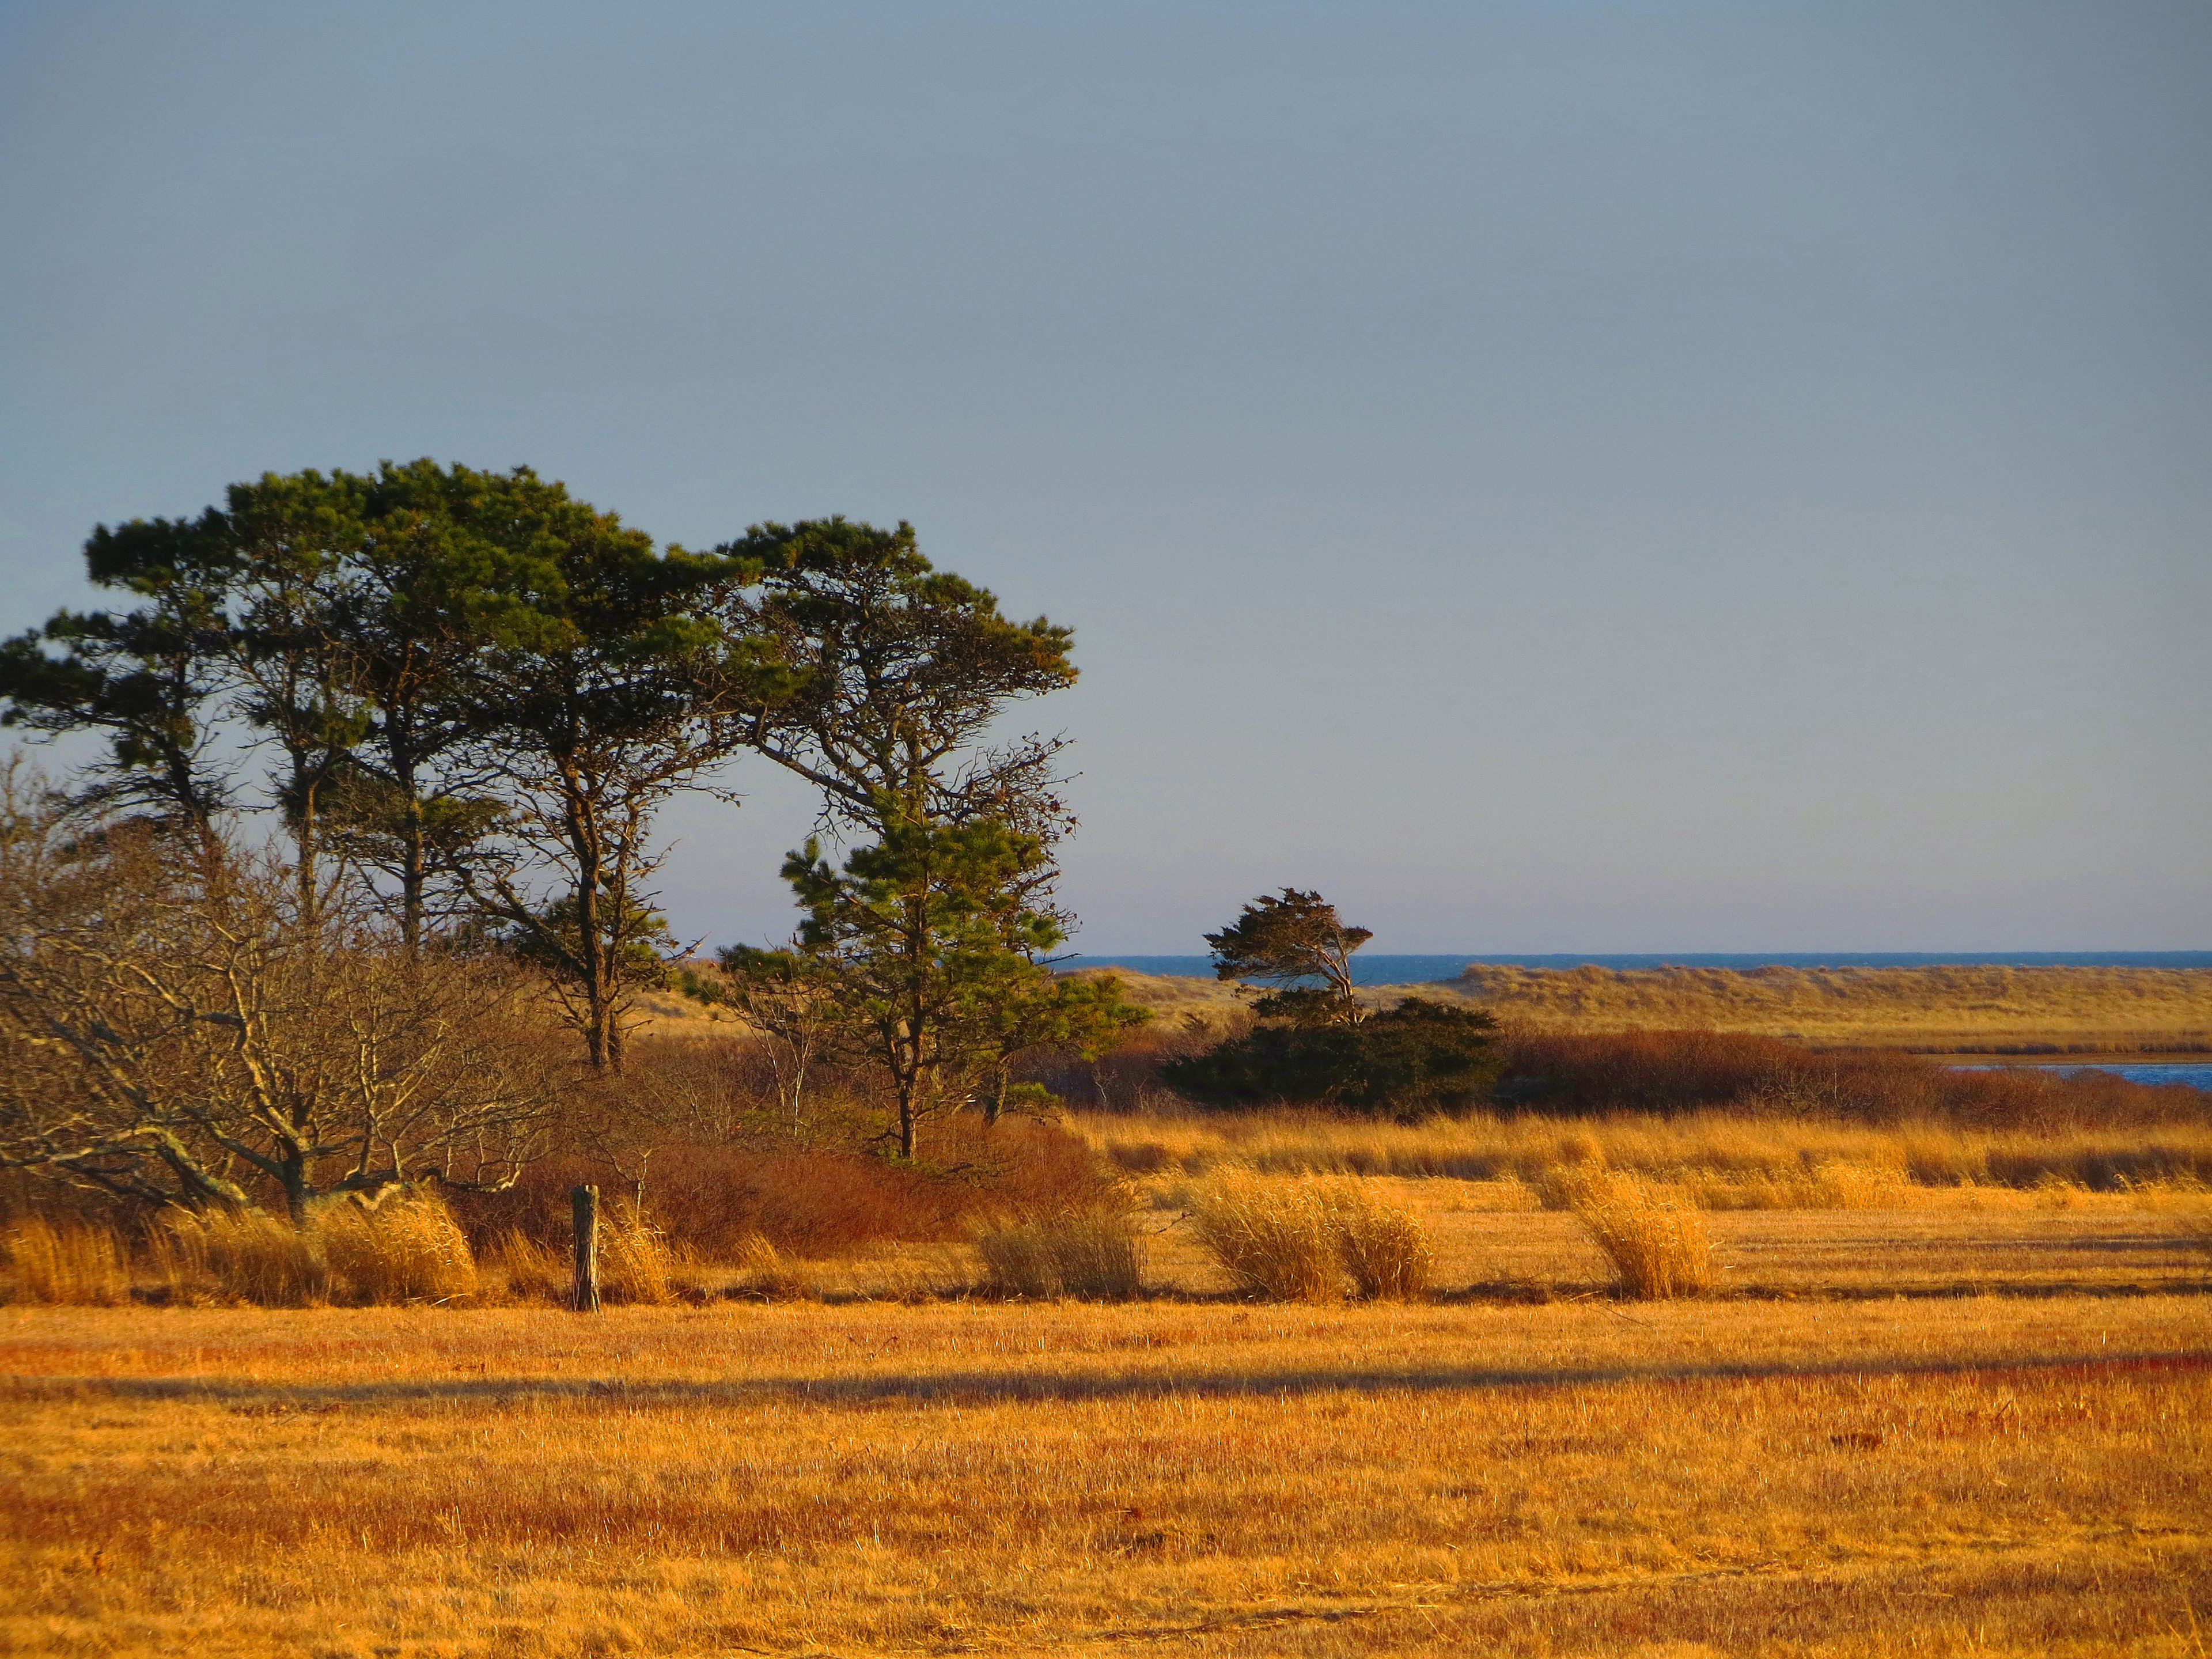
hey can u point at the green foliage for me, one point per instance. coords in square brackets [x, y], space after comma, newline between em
[913, 942]
[921, 957]
[638, 941]
[1288, 941]
[1083, 1016]
[617, 691]
[143, 678]
[894, 670]
[481, 690]
[1417, 1056]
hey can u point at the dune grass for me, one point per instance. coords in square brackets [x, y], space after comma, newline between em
[1963, 1007]
[66, 1261]
[1955, 1007]
[1658, 1246]
[1299, 1240]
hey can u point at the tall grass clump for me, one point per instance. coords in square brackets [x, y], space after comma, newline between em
[1295, 1241]
[635, 1261]
[241, 1254]
[1382, 1245]
[763, 1270]
[407, 1249]
[1272, 1236]
[67, 1262]
[1655, 1241]
[529, 1270]
[1094, 1257]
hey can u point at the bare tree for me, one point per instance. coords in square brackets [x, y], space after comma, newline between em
[186, 1034]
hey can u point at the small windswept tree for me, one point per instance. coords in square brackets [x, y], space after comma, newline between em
[1292, 942]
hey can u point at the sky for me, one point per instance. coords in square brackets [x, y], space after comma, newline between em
[1552, 477]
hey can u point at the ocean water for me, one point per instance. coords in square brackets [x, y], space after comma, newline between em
[1376, 970]
[2186, 1072]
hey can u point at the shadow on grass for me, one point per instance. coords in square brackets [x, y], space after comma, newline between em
[988, 1388]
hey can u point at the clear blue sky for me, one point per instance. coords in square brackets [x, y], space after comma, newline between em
[1567, 477]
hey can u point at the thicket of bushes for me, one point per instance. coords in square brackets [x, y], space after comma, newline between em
[710, 1198]
[1656, 1073]
[704, 1155]
[1665, 1073]
[705, 1159]
[1419, 1056]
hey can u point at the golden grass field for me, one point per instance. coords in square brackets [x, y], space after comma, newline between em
[1965, 1009]
[1977, 1423]
[1733, 1161]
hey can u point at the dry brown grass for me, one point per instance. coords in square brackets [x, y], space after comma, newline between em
[1957, 1006]
[1979, 1009]
[66, 1263]
[222, 1256]
[407, 1249]
[521, 1268]
[1654, 1238]
[1382, 1245]
[1096, 1257]
[1804, 1161]
[763, 1272]
[1297, 1240]
[636, 1263]
[1177, 1001]
[1983, 1477]
[1272, 1236]
[1963, 1419]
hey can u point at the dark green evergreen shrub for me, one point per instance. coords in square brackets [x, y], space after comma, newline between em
[1419, 1056]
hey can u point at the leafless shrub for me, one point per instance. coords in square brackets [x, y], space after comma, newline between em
[181, 1024]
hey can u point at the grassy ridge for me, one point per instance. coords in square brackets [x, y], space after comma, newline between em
[1961, 1008]
[1958, 1007]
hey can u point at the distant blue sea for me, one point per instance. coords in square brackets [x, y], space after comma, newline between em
[1427, 969]
[2159, 1071]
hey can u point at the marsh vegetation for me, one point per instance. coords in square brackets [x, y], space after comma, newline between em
[951, 1304]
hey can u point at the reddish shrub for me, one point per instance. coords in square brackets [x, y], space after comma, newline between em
[817, 1202]
[1664, 1072]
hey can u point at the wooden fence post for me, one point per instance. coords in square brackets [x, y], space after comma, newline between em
[585, 1203]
